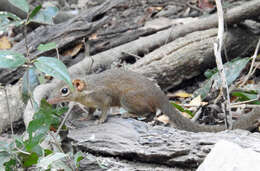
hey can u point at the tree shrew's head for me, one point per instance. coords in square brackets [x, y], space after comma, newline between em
[64, 94]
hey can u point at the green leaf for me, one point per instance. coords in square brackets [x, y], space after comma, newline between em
[19, 142]
[40, 125]
[36, 139]
[8, 20]
[4, 157]
[182, 109]
[244, 96]
[10, 59]
[30, 160]
[35, 11]
[48, 160]
[53, 67]
[45, 16]
[21, 4]
[7, 15]
[29, 82]
[77, 157]
[46, 47]
[232, 71]
[210, 72]
[9, 165]
[47, 152]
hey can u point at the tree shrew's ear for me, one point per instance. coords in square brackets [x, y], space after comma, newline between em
[79, 84]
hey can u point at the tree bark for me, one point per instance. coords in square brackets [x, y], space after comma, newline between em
[132, 140]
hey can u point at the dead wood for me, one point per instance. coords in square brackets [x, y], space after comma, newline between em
[139, 46]
[129, 139]
[145, 44]
[191, 55]
[16, 106]
[64, 34]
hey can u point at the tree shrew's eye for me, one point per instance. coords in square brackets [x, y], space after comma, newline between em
[64, 91]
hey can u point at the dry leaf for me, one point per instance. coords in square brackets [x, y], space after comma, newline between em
[93, 37]
[164, 119]
[186, 115]
[205, 4]
[196, 101]
[4, 43]
[182, 94]
[158, 8]
[74, 51]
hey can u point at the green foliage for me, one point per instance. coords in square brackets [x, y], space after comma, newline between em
[7, 15]
[245, 96]
[8, 19]
[47, 46]
[28, 152]
[182, 109]
[232, 71]
[77, 157]
[45, 162]
[34, 12]
[53, 67]
[31, 159]
[29, 82]
[44, 16]
[40, 125]
[38, 15]
[10, 59]
[210, 72]
[21, 4]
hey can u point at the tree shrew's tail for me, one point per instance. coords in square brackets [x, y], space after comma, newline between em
[246, 121]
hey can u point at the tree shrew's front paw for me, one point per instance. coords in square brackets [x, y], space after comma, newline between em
[100, 121]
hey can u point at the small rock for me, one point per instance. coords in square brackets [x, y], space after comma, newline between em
[227, 156]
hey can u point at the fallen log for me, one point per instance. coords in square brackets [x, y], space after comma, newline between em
[132, 140]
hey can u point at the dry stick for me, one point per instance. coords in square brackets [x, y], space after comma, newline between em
[194, 7]
[197, 115]
[71, 105]
[58, 54]
[131, 54]
[244, 102]
[8, 109]
[244, 106]
[87, 53]
[68, 158]
[25, 36]
[217, 52]
[251, 71]
[234, 15]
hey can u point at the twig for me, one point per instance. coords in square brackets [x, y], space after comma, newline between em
[21, 151]
[197, 115]
[87, 53]
[86, 46]
[188, 105]
[25, 36]
[251, 71]
[68, 159]
[8, 109]
[71, 105]
[244, 106]
[194, 7]
[217, 51]
[131, 54]
[58, 54]
[244, 102]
